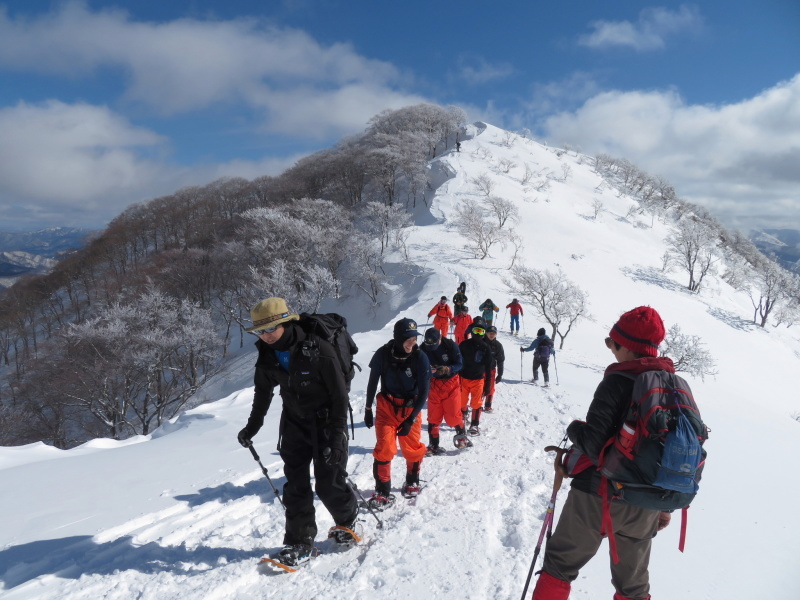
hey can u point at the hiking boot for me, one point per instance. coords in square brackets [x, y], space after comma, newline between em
[488, 409]
[381, 501]
[296, 554]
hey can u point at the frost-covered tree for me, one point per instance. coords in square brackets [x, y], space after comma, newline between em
[138, 363]
[503, 209]
[553, 296]
[472, 221]
[688, 353]
[693, 247]
[484, 183]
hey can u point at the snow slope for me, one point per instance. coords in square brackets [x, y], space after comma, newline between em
[186, 512]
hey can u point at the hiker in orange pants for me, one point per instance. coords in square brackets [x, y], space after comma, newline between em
[443, 316]
[475, 375]
[404, 374]
[444, 399]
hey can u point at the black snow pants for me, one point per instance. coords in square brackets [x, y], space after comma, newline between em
[297, 448]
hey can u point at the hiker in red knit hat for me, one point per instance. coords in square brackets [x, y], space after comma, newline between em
[633, 341]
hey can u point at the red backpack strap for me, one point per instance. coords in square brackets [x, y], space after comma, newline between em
[606, 526]
[684, 519]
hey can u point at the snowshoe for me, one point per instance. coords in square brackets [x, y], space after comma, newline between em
[474, 430]
[380, 502]
[434, 451]
[488, 409]
[347, 536]
[410, 490]
[292, 557]
[461, 441]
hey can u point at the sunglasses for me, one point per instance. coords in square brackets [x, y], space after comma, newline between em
[478, 331]
[265, 330]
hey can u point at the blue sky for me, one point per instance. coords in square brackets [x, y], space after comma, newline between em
[107, 103]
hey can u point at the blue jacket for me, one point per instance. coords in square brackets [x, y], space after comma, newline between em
[535, 345]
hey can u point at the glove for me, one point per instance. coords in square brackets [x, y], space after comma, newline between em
[337, 447]
[498, 379]
[443, 370]
[405, 427]
[663, 520]
[369, 421]
[522, 348]
[245, 437]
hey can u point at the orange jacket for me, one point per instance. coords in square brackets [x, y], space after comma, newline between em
[441, 310]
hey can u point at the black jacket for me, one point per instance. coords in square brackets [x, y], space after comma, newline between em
[498, 355]
[477, 357]
[314, 386]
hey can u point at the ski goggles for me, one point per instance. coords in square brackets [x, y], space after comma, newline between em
[478, 331]
[266, 330]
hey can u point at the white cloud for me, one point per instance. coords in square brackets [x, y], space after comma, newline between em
[737, 159]
[82, 165]
[187, 64]
[476, 70]
[649, 33]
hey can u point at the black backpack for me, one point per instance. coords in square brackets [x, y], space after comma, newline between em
[332, 328]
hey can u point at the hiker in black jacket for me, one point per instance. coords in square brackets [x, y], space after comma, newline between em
[542, 348]
[476, 376]
[498, 361]
[633, 341]
[313, 426]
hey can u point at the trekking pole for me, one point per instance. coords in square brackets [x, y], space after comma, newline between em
[264, 470]
[355, 489]
[522, 318]
[520, 365]
[555, 364]
[504, 318]
[547, 524]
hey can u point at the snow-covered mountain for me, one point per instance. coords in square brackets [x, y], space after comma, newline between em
[783, 244]
[186, 512]
[35, 251]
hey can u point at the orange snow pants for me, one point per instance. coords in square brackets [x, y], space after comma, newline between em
[387, 420]
[442, 324]
[444, 401]
[471, 393]
[491, 382]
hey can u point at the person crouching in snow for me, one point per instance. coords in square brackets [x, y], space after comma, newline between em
[444, 399]
[498, 361]
[404, 373]
[443, 316]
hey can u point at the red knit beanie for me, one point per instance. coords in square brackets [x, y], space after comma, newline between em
[640, 330]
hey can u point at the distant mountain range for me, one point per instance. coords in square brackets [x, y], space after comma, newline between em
[22, 253]
[782, 244]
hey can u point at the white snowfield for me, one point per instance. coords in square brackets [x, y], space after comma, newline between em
[187, 512]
